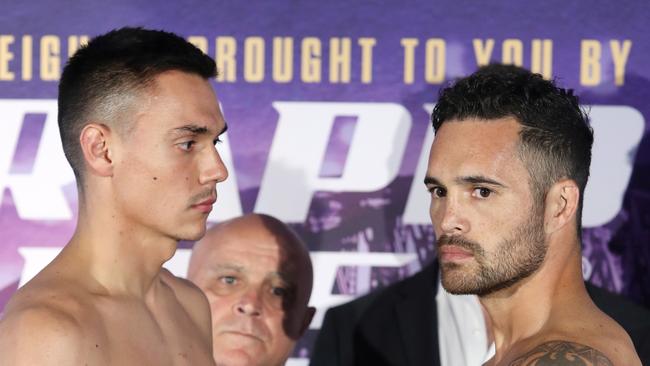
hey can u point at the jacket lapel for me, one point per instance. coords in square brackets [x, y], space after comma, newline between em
[416, 314]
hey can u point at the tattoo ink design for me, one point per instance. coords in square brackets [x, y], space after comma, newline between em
[562, 353]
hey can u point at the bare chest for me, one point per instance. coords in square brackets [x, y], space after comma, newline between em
[132, 334]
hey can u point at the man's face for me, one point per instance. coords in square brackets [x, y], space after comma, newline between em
[258, 295]
[489, 229]
[166, 166]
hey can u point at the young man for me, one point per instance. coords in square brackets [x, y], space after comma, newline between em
[138, 121]
[257, 275]
[507, 173]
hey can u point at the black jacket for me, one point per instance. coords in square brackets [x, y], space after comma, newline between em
[392, 326]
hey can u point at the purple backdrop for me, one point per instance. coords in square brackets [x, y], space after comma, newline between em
[600, 50]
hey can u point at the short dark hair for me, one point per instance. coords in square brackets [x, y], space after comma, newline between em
[102, 77]
[555, 138]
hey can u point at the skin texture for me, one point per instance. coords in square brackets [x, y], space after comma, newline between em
[257, 276]
[105, 300]
[521, 257]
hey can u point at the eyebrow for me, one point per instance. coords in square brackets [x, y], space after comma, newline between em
[228, 267]
[196, 129]
[282, 276]
[231, 267]
[471, 179]
[431, 181]
[479, 179]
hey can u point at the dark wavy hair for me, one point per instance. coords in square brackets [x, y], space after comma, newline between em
[555, 137]
[103, 79]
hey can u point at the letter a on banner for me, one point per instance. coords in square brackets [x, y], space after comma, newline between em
[301, 138]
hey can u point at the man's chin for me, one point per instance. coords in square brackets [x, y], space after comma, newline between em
[191, 234]
[237, 357]
[194, 236]
[457, 282]
[455, 289]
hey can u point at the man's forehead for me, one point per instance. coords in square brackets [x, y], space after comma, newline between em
[187, 98]
[246, 249]
[257, 241]
[475, 131]
[475, 146]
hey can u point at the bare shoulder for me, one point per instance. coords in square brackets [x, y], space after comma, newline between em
[188, 293]
[562, 353]
[39, 334]
[565, 353]
[190, 297]
[580, 336]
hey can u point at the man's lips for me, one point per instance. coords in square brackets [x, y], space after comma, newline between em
[453, 253]
[205, 205]
[242, 334]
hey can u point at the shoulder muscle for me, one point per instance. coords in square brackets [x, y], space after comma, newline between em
[562, 353]
[192, 299]
[40, 335]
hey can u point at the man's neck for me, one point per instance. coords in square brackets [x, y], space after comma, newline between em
[122, 258]
[526, 308]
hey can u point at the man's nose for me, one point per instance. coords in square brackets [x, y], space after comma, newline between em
[213, 169]
[452, 218]
[249, 304]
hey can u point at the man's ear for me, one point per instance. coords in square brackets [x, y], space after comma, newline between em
[309, 315]
[95, 146]
[561, 205]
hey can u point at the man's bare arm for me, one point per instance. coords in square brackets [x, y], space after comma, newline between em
[562, 353]
[40, 336]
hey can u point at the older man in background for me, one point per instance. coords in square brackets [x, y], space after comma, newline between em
[257, 275]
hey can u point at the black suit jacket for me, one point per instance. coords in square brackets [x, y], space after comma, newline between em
[392, 326]
[397, 325]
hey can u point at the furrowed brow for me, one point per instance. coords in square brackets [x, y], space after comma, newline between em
[191, 128]
[479, 179]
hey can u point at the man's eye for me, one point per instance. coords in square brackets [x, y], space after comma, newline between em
[187, 145]
[438, 191]
[279, 291]
[482, 192]
[228, 280]
[217, 141]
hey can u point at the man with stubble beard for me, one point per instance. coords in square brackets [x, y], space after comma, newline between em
[507, 173]
[139, 121]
